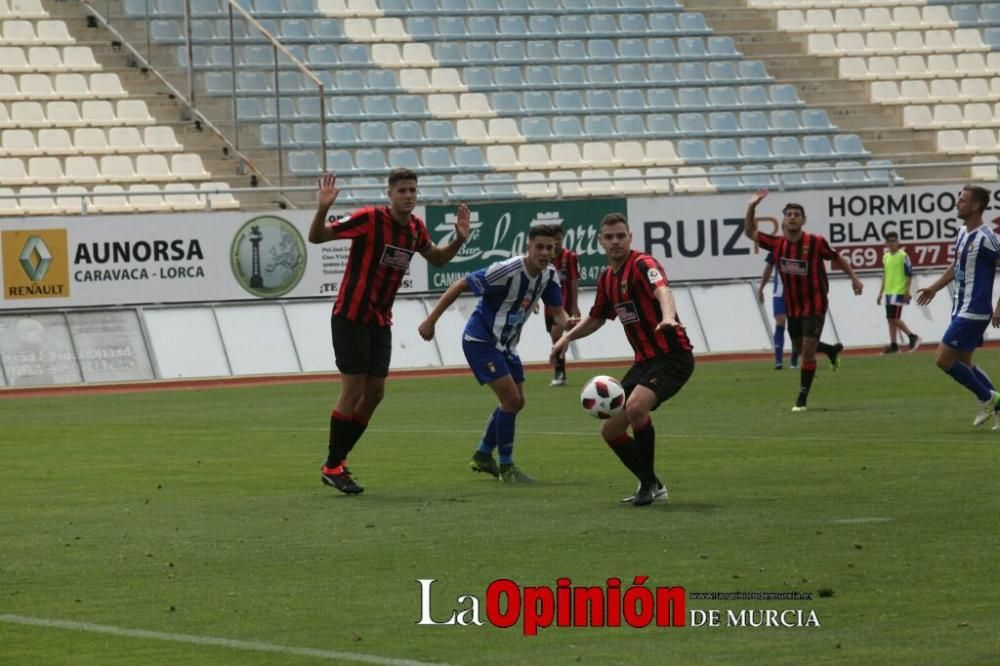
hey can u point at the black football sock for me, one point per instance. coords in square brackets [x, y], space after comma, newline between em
[340, 436]
[806, 379]
[358, 426]
[625, 448]
[645, 439]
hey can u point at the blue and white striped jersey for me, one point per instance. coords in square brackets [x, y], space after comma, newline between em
[776, 283]
[976, 254]
[507, 296]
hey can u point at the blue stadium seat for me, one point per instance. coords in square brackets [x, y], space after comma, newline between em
[989, 13]
[724, 150]
[339, 161]
[755, 148]
[790, 180]
[601, 74]
[754, 121]
[691, 123]
[691, 47]
[692, 98]
[341, 107]
[723, 179]
[405, 158]
[513, 25]
[543, 26]
[327, 29]
[375, 132]
[467, 187]
[321, 55]
[307, 134]
[505, 189]
[756, 176]
[378, 105]
[411, 106]
[440, 131]
[294, 30]
[816, 119]
[662, 48]
[421, 26]
[537, 101]
[455, 26]
[370, 159]
[598, 127]
[354, 54]
[630, 100]
[753, 70]
[965, 14]
[451, 52]
[784, 94]
[754, 96]
[267, 7]
[723, 72]
[342, 134]
[269, 135]
[600, 100]
[820, 177]
[817, 146]
[285, 105]
[249, 108]
[785, 120]
[432, 187]
[692, 150]
[571, 75]
[424, 6]
[848, 144]
[661, 98]
[307, 106]
[291, 82]
[505, 102]
[786, 147]
[692, 72]
[662, 72]
[161, 30]
[363, 189]
[567, 127]
[632, 74]
[882, 172]
[569, 100]
[661, 124]
[723, 47]
[253, 82]
[723, 122]
[571, 49]
[202, 30]
[407, 131]
[477, 78]
[303, 163]
[630, 125]
[481, 25]
[603, 24]
[508, 77]
[436, 159]
[692, 22]
[541, 51]
[632, 23]
[382, 79]
[536, 129]
[539, 75]
[851, 176]
[573, 24]
[662, 23]
[632, 49]
[350, 80]
[300, 7]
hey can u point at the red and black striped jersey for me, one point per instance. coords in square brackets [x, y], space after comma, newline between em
[381, 249]
[567, 264]
[627, 294]
[802, 270]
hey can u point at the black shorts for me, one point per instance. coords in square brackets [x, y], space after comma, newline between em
[664, 375]
[361, 349]
[806, 327]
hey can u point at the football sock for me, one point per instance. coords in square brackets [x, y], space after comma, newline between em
[984, 378]
[645, 439]
[340, 432]
[805, 382]
[505, 435]
[561, 366]
[779, 344]
[489, 441]
[627, 451]
[795, 356]
[965, 376]
[358, 426]
[824, 348]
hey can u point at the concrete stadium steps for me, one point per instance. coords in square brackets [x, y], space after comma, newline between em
[816, 78]
[163, 106]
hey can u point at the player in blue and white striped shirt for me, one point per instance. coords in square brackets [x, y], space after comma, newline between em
[508, 291]
[977, 250]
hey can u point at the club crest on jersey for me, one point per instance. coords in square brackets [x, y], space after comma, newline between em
[624, 289]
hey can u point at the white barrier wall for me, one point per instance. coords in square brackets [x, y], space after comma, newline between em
[291, 337]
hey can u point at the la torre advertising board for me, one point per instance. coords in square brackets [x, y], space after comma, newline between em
[209, 257]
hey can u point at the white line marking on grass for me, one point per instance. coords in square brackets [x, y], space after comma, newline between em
[252, 646]
[854, 521]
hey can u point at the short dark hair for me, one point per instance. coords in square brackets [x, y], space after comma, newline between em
[547, 230]
[614, 218]
[399, 174]
[980, 195]
[891, 235]
[793, 206]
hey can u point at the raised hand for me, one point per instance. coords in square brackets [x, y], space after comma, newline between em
[327, 189]
[462, 225]
[758, 196]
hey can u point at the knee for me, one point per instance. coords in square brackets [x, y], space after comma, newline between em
[512, 404]
[944, 363]
[636, 412]
[374, 396]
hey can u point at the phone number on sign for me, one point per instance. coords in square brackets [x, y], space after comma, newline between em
[869, 257]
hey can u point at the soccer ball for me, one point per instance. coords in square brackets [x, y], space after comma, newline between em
[603, 397]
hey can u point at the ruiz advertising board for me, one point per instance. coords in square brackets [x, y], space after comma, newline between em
[701, 237]
[142, 259]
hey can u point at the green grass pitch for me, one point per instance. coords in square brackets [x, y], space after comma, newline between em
[200, 513]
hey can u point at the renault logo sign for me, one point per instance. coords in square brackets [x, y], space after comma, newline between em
[35, 258]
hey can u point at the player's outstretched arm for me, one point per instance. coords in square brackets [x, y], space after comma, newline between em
[319, 232]
[844, 265]
[439, 255]
[581, 330]
[667, 306]
[750, 221]
[926, 295]
[426, 327]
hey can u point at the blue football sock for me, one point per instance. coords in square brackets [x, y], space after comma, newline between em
[779, 344]
[984, 378]
[964, 375]
[505, 435]
[489, 441]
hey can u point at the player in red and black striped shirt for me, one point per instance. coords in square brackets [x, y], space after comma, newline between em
[799, 257]
[634, 290]
[568, 265]
[383, 240]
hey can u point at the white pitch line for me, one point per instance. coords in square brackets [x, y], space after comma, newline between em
[252, 646]
[857, 521]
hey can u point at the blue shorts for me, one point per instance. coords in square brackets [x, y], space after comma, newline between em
[489, 364]
[965, 334]
[778, 306]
